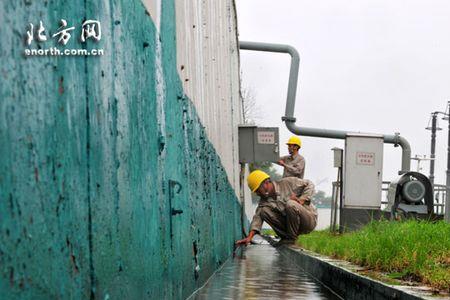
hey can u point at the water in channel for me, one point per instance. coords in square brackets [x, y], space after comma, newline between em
[261, 272]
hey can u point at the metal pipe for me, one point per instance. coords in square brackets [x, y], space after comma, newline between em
[290, 104]
[293, 72]
[242, 197]
[447, 193]
[341, 193]
[433, 146]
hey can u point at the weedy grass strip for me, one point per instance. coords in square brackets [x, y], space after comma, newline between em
[409, 250]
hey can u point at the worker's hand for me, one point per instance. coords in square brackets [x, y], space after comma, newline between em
[281, 162]
[295, 198]
[301, 200]
[245, 241]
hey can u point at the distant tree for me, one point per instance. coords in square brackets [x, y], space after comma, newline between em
[250, 110]
[321, 199]
[267, 167]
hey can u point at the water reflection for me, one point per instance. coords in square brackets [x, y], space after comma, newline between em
[261, 272]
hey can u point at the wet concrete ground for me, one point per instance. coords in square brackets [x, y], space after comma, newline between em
[261, 272]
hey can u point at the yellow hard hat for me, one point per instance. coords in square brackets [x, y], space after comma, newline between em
[255, 179]
[295, 140]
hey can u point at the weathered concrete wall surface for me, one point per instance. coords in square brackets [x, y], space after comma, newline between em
[95, 153]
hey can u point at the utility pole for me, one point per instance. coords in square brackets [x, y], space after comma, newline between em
[447, 190]
[433, 129]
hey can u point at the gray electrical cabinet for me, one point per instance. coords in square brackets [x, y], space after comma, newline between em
[258, 144]
[362, 180]
[363, 171]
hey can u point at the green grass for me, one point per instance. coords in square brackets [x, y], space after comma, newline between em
[409, 250]
[268, 232]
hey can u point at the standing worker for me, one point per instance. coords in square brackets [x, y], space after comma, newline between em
[294, 163]
[284, 204]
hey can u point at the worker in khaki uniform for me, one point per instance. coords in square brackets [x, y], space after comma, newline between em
[294, 163]
[285, 205]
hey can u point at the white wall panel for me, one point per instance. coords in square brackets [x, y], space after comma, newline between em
[208, 64]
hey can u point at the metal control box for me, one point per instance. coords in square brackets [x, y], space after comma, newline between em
[337, 157]
[363, 171]
[258, 144]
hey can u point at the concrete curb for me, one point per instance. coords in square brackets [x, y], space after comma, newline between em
[341, 278]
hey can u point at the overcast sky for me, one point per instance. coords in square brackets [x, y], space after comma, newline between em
[372, 66]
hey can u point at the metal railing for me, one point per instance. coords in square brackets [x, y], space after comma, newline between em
[334, 206]
[438, 203]
[439, 199]
[384, 194]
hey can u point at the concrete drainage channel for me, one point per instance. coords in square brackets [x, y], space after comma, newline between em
[342, 278]
[263, 272]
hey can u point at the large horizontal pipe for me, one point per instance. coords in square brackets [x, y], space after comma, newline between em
[289, 119]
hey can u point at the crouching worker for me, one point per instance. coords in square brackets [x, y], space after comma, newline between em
[285, 205]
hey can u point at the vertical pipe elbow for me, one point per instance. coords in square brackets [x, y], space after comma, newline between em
[293, 71]
[406, 150]
[406, 154]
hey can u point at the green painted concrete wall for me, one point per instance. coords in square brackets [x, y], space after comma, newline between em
[93, 151]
